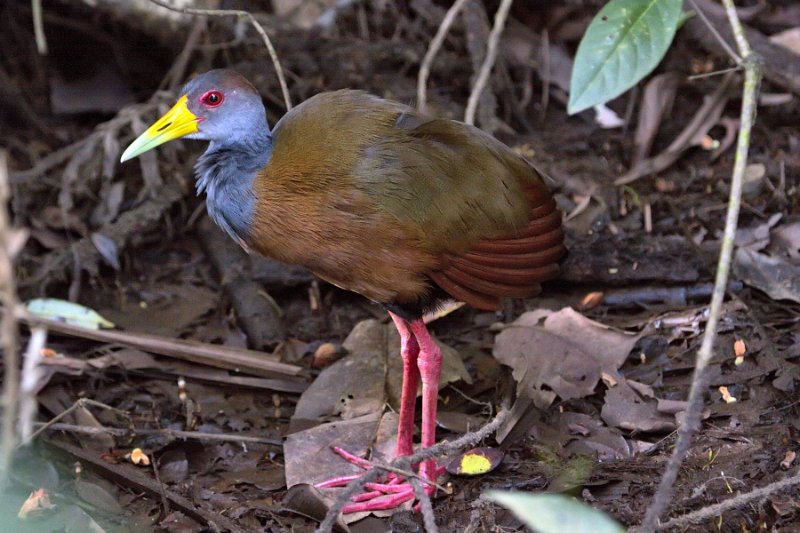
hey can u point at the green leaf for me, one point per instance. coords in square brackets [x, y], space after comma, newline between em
[624, 43]
[554, 513]
[64, 311]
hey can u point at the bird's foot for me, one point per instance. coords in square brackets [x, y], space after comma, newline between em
[393, 492]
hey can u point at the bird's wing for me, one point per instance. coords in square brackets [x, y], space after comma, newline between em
[479, 206]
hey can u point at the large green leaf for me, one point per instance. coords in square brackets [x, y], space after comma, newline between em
[623, 43]
[554, 513]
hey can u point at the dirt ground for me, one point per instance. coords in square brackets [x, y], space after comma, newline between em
[133, 243]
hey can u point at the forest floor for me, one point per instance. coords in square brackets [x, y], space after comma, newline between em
[624, 321]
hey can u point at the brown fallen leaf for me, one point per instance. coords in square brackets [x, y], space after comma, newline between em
[631, 406]
[362, 382]
[657, 99]
[561, 353]
[776, 276]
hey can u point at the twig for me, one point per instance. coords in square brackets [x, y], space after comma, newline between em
[31, 372]
[544, 53]
[717, 509]
[164, 432]
[238, 359]
[433, 49]
[488, 62]
[79, 404]
[725, 46]
[132, 477]
[249, 16]
[162, 489]
[129, 224]
[703, 120]
[38, 27]
[425, 506]
[749, 99]
[405, 462]
[404, 472]
[9, 331]
[177, 72]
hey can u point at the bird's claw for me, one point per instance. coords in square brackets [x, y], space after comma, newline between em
[392, 493]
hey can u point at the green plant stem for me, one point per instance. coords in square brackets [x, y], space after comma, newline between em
[749, 95]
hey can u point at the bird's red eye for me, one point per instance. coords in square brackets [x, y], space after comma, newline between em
[211, 98]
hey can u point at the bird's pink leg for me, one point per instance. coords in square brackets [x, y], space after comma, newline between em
[409, 351]
[422, 360]
[430, 368]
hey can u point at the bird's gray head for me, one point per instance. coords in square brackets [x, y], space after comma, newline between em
[220, 106]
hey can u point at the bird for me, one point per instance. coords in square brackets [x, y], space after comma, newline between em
[375, 197]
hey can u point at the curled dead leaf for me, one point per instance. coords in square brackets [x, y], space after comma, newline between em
[48, 352]
[326, 354]
[591, 300]
[726, 395]
[38, 500]
[788, 459]
[608, 379]
[138, 457]
[739, 349]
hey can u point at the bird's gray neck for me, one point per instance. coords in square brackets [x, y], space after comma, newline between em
[226, 172]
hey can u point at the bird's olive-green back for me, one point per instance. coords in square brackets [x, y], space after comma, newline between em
[373, 197]
[451, 181]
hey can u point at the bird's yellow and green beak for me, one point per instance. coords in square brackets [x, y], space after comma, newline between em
[177, 122]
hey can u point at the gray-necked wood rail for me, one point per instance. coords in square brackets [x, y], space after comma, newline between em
[377, 198]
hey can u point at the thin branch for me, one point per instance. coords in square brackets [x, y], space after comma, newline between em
[488, 62]
[38, 27]
[405, 462]
[9, 330]
[697, 390]
[428, 518]
[433, 49]
[165, 432]
[249, 16]
[725, 46]
[31, 373]
[739, 500]
[738, 31]
[79, 404]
